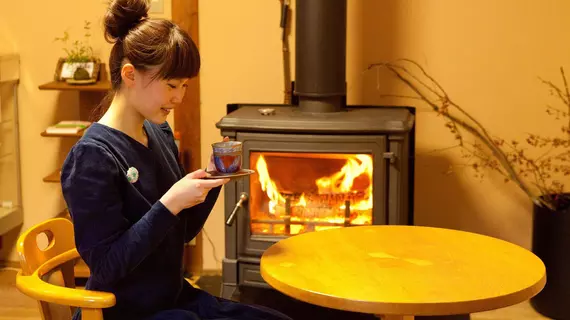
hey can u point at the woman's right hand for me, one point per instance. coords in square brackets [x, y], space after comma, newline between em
[189, 191]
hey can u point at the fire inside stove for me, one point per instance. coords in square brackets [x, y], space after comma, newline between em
[292, 193]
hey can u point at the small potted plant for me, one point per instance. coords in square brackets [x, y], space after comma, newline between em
[80, 66]
[538, 165]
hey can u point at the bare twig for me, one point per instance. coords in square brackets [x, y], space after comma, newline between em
[567, 95]
[563, 95]
[441, 149]
[501, 161]
[399, 96]
[555, 109]
[558, 91]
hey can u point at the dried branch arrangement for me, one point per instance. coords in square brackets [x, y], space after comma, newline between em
[536, 173]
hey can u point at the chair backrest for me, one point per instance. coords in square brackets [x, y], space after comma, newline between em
[58, 237]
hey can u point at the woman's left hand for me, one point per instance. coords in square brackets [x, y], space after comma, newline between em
[211, 165]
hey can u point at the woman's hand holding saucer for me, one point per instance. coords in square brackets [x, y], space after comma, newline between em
[189, 191]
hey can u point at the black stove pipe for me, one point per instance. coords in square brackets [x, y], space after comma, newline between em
[320, 55]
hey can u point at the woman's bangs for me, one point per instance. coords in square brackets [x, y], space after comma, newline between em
[182, 60]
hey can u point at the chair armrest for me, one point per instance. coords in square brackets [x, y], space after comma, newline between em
[34, 287]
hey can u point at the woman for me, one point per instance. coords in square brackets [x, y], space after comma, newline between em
[132, 207]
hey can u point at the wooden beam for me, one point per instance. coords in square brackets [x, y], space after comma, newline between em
[187, 119]
[187, 115]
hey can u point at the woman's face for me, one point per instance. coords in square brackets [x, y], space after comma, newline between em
[154, 99]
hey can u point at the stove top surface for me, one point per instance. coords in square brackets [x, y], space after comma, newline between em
[283, 118]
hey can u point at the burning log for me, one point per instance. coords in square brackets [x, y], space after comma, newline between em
[327, 200]
[309, 212]
[321, 206]
[297, 222]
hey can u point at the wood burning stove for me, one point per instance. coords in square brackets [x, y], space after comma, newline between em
[319, 163]
[313, 172]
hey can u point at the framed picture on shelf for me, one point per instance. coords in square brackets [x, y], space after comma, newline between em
[65, 71]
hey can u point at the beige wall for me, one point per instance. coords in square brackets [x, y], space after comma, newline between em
[488, 55]
[28, 29]
[241, 62]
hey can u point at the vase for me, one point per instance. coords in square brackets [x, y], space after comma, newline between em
[551, 243]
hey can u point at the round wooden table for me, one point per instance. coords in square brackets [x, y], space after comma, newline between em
[397, 272]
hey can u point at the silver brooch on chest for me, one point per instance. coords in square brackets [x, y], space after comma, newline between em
[132, 175]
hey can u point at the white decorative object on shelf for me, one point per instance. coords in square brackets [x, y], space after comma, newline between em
[68, 127]
[11, 213]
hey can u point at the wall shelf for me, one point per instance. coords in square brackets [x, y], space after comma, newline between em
[64, 214]
[53, 177]
[99, 86]
[6, 155]
[63, 135]
[81, 270]
[90, 96]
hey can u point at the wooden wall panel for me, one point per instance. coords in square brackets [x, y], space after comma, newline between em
[187, 118]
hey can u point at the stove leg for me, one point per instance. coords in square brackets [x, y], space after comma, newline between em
[228, 291]
[394, 317]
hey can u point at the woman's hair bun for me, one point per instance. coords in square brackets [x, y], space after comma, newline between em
[122, 16]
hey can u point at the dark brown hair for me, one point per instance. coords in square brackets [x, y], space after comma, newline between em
[145, 43]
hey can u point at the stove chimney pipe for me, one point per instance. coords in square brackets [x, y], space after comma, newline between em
[320, 55]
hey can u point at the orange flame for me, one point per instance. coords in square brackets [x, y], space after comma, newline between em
[339, 183]
[268, 185]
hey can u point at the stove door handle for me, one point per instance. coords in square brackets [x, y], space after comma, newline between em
[242, 198]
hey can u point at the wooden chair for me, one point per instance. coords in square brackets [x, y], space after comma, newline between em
[47, 274]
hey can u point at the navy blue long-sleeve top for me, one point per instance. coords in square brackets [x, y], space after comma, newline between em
[131, 242]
